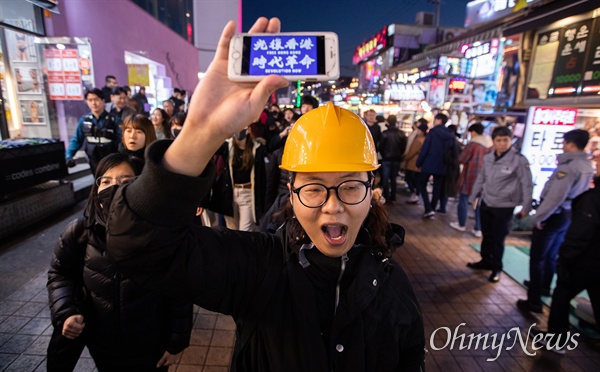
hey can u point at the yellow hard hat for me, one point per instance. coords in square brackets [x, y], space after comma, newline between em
[329, 139]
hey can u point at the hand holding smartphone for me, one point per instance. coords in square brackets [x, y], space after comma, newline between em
[294, 56]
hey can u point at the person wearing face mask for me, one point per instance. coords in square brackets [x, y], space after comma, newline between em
[124, 326]
[322, 294]
[176, 123]
[138, 133]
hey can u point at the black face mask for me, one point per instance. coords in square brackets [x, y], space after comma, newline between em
[105, 198]
[241, 135]
[176, 132]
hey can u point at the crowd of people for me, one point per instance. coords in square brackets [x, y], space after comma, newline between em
[277, 218]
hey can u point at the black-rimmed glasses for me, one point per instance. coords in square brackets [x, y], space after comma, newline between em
[314, 195]
[110, 181]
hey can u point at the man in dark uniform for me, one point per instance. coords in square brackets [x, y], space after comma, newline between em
[552, 218]
[97, 132]
[110, 83]
[578, 263]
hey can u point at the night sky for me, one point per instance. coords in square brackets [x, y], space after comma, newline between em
[353, 20]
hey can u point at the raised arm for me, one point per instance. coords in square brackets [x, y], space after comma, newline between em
[219, 107]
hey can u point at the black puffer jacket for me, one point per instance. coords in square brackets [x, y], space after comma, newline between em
[258, 280]
[124, 323]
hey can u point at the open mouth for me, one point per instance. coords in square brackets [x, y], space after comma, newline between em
[335, 233]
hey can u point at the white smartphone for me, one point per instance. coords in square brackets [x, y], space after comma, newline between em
[309, 56]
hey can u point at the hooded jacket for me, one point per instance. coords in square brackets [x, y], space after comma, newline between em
[377, 325]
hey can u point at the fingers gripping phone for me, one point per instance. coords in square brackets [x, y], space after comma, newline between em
[295, 56]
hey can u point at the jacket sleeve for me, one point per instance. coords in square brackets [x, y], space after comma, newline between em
[63, 277]
[424, 151]
[413, 151]
[412, 344]
[526, 183]
[182, 319]
[152, 239]
[557, 193]
[583, 229]
[479, 182]
[76, 141]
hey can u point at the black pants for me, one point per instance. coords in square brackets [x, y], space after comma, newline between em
[412, 179]
[495, 226]
[544, 252]
[573, 279]
[63, 353]
[438, 184]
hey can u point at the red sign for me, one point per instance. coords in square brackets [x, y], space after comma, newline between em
[554, 116]
[369, 47]
[84, 64]
[64, 76]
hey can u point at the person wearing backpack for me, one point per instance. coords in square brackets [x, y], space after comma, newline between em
[124, 326]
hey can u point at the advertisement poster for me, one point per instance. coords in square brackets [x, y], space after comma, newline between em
[20, 46]
[574, 41]
[591, 73]
[138, 75]
[543, 141]
[27, 78]
[64, 75]
[32, 111]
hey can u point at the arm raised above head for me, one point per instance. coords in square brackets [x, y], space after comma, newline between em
[220, 107]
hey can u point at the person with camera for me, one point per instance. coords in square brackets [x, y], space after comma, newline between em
[322, 294]
[97, 132]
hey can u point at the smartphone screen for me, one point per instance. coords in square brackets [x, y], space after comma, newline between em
[283, 55]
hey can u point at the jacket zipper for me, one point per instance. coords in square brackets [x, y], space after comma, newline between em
[339, 281]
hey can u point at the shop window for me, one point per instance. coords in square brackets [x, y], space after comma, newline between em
[22, 15]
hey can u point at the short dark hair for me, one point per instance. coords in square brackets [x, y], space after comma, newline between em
[501, 132]
[108, 162]
[109, 77]
[94, 91]
[477, 128]
[176, 90]
[117, 90]
[126, 88]
[309, 100]
[392, 121]
[578, 137]
[441, 117]
[422, 121]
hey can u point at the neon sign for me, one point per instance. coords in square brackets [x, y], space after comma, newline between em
[371, 46]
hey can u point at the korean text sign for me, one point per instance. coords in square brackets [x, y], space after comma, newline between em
[283, 55]
[543, 141]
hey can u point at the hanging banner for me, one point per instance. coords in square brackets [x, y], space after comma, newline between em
[64, 75]
[138, 74]
[574, 41]
[591, 74]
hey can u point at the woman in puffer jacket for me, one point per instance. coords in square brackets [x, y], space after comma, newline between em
[124, 326]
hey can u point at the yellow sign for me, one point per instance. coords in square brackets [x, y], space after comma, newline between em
[138, 74]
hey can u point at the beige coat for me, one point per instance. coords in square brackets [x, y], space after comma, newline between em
[413, 153]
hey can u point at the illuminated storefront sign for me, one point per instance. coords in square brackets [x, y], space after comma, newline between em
[452, 66]
[480, 11]
[371, 46]
[481, 58]
[543, 141]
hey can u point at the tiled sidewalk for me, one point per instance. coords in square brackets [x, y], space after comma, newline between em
[434, 256]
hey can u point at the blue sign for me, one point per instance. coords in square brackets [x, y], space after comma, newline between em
[283, 55]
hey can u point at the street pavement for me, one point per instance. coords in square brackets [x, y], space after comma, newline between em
[434, 255]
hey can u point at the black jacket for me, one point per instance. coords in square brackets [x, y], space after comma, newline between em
[392, 144]
[124, 323]
[377, 327]
[580, 246]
